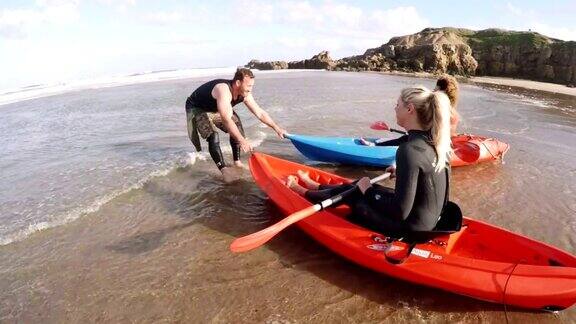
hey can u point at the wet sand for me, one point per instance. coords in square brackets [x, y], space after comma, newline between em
[501, 83]
[168, 264]
[526, 84]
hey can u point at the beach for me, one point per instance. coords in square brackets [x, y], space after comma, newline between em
[108, 214]
[501, 82]
[526, 84]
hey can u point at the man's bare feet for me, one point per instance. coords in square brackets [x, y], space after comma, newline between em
[241, 165]
[229, 174]
[305, 177]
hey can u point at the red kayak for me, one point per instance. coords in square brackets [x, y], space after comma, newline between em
[479, 260]
[471, 149]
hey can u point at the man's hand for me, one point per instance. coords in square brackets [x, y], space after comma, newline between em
[246, 146]
[281, 132]
[263, 116]
[363, 184]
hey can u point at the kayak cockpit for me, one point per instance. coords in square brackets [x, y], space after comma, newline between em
[481, 241]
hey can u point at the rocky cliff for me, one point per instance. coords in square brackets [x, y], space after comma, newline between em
[524, 55]
[490, 52]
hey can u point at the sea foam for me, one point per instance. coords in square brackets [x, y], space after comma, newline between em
[8, 96]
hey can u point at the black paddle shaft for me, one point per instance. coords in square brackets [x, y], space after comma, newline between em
[331, 201]
[397, 131]
[336, 199]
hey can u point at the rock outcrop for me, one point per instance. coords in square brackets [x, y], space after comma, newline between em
[431, 50]
[272, 65]
[490, 52]
[526, 55]
[320, 61]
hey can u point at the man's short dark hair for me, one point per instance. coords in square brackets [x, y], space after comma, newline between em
[241, 73]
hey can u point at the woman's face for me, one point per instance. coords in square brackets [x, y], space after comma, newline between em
[401, 110]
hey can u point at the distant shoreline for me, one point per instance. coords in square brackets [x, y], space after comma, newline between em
[526, 84]
[40, 91]
[553, 88]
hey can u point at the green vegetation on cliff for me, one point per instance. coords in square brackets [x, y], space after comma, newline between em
[491, 37]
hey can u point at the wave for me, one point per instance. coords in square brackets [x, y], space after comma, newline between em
[39, 91]
[94, 206]
[80, 211]
[43, 90]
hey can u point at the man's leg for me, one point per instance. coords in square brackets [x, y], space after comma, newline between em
[192, 128]
[216, 119]
[208, 131]
[236, 152]
[234, 144]
[215, 151]
[228, 173]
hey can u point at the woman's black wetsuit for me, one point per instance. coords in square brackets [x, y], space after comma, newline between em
[419, 197]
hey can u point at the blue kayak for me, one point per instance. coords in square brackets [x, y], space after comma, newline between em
[345, 150]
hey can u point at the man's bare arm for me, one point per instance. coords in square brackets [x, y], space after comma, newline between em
[262, 115]
[223, 97]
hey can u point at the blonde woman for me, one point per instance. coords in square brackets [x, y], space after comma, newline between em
[422, 170]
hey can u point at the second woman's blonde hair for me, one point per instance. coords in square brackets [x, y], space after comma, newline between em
[433, 112]
[449, 85]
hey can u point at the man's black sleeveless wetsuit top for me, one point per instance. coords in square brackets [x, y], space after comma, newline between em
[203, 99]
[420, 192]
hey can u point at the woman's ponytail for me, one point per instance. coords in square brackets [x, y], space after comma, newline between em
[440, 128]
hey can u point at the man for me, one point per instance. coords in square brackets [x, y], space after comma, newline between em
[210, 107]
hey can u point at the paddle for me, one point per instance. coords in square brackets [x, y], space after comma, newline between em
[254, 240]
[381, 125]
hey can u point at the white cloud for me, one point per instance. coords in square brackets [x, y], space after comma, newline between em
[563, 33]
[331, 18]
[306, 28]
[298, 12]
[326, 20]
[342, 29]
[60, 12]
[514, 10]
[60, 61]
[530, 20]
[299, 47]
[252, 12]
[165, 17]
[395, 22]
[329, 43]
[15, 23]
[200, 15]
[519, 12]
[293, 42]
[120, 5]
[342, 15]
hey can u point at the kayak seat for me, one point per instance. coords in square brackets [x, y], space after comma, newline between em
[467, 152]
[450, 221]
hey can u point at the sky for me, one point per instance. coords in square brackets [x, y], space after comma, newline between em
[57, 41]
